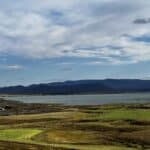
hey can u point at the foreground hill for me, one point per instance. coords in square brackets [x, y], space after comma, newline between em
[82, 87]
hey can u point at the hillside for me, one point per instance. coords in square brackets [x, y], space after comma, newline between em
[82, 87]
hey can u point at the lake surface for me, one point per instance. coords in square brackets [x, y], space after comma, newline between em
[82, 99]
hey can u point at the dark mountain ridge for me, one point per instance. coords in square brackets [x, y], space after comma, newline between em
[82, 87]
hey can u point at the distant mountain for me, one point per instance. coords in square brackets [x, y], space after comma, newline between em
[82, 87]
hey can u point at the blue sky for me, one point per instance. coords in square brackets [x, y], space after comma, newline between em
[46, 41]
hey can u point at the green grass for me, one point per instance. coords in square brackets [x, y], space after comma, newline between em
[124, 114]
[18, 134]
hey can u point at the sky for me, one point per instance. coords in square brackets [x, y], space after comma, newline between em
[47, 41]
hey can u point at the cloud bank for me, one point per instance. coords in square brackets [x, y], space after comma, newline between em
[107, 30]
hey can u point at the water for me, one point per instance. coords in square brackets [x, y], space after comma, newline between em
[83, 99]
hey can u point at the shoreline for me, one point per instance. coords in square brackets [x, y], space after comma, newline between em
[9, 107]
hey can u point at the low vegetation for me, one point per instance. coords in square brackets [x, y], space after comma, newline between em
[105, 127]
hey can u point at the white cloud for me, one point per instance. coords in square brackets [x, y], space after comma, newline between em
[83, 29]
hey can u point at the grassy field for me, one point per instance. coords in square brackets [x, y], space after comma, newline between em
[105, 127]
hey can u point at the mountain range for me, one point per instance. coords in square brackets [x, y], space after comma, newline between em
[81, 87]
